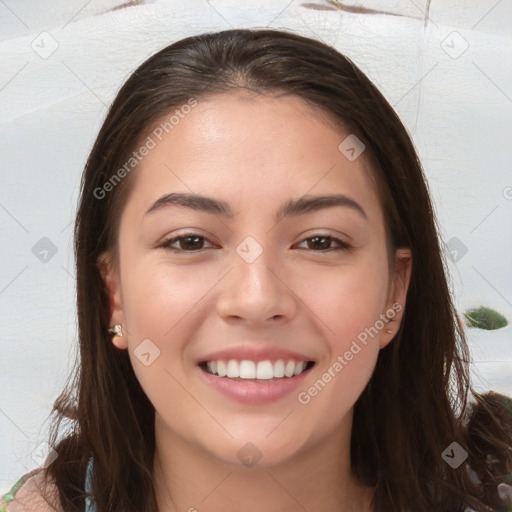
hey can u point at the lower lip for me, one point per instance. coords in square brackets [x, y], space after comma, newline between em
[252, 392]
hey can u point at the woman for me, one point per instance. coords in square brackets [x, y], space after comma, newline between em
[264, 317]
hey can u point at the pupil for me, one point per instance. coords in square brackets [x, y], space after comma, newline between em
[324, 245]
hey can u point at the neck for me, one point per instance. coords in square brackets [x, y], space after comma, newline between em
[188, 478]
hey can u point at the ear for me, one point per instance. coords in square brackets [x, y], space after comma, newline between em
[110, 275]
[397, 294]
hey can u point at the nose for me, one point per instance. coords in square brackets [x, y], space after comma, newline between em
[256, 292]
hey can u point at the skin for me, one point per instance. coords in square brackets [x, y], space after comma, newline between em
[254, 152]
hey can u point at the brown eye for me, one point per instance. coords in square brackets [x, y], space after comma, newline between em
[322, 243]
[186, 243]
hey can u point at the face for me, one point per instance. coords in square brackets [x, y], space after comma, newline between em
[272, 289]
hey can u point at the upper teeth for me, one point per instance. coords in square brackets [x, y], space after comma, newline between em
[263, 370]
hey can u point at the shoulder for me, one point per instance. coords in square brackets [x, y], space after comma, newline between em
[31, 493]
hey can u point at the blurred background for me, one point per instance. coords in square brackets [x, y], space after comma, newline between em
[445, 66]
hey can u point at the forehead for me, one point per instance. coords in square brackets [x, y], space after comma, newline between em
[253, 151]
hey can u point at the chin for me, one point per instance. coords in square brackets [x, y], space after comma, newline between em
[255, 449]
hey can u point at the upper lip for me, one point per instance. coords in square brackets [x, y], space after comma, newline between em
[252, 353]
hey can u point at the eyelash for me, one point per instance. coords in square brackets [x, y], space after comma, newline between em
[343, 246]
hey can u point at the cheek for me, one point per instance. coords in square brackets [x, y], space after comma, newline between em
[349, 305]
[337, 386]
[347, 299]
[157, 298]
[161, 304]
[348, 302]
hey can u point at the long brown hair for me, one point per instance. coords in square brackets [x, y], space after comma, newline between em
[415, 404]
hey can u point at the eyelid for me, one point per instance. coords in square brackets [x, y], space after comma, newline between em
[326, 234]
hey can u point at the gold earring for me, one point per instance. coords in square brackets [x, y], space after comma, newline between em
[116, 330]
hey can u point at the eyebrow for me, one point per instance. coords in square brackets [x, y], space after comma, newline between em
[293, 207]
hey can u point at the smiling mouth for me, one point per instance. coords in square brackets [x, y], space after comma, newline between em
[256, 371]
